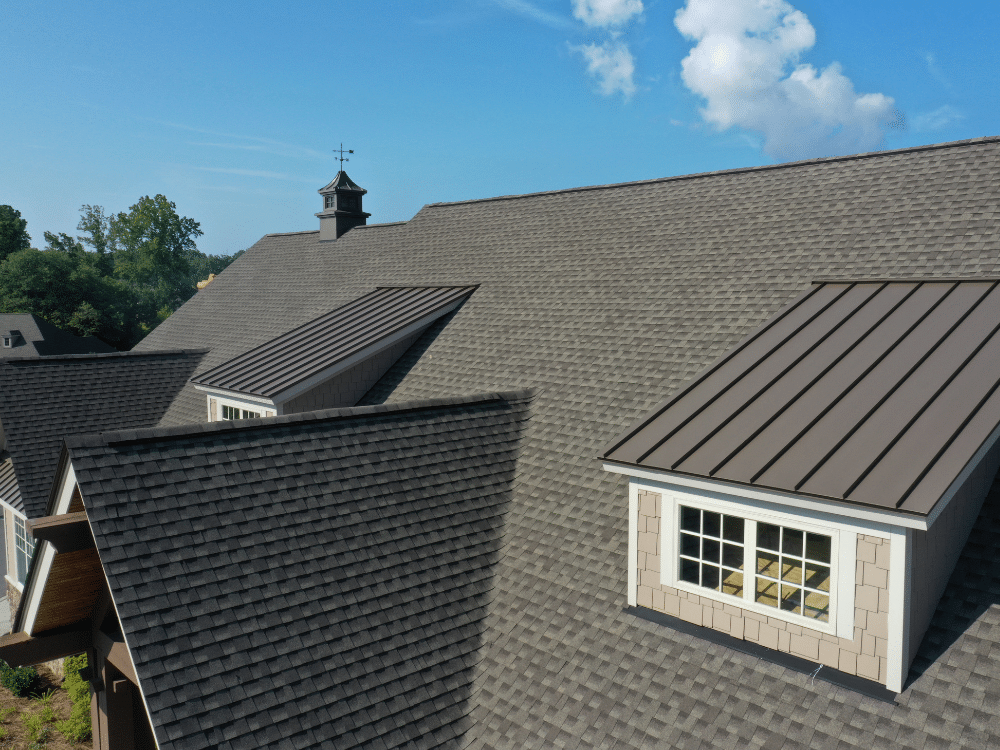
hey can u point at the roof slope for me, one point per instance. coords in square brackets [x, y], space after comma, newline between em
[608, 300]
[307, 351]
[46, 399]
[877, 393]
[42, 339]
[306, 581]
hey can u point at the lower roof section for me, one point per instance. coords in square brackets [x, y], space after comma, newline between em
[312, 580]
[878, 393]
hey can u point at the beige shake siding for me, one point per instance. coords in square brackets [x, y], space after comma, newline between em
[863, 655]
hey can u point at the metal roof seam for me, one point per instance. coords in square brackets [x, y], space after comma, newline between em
[766, 386]
[937, 456]
[805, 389]
[743, 374]
[702, 376]
[859, 379]
[924, 408]
[857, 426]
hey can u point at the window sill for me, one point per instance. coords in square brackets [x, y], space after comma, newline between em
[14, 583]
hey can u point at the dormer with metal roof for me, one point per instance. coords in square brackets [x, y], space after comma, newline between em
[332, 360]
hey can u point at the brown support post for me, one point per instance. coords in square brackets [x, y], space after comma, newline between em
[121, 727]
[102, 707]
[95, 713]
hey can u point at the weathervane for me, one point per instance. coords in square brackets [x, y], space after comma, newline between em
[342, 152]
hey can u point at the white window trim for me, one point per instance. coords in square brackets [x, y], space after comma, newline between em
[254, 406]
[670, 559]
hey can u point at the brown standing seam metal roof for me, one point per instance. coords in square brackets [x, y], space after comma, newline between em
[876, 392]
[313, 347]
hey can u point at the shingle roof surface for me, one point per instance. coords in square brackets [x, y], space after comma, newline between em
[302, 353]
[10, 493]
[608, 300]
[306, 582]
[873, 393]
[41, 339]
[48, 398]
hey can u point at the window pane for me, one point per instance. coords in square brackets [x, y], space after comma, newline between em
[767, 564]
[689, 571]
[710, 550]
[689, 545]
[817, 606]
[710, 577]
[732, 556]
[768, 536]
[818, 547]
[732, 583]
[817, 577]
[732, 529]
[767, 593]
[713, 524]
[690, 519]
[791, 570]
[791, 599]
[792, 542]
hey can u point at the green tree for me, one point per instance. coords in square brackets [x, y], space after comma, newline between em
[97, 234]
[63, 243]
[13, 232]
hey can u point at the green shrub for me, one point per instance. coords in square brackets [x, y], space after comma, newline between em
[19, 681]
[77, 727]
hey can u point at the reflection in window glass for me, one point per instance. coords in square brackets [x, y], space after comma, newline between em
[793, 571]
[711, 550]
[25, 549]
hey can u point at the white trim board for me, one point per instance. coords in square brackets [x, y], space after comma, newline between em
[876, 521]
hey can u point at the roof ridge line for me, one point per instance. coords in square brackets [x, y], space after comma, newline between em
[154, 434]
[738, 170]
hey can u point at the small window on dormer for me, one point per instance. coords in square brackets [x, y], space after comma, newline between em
[232, 412]
[328, 201]
[6, 342]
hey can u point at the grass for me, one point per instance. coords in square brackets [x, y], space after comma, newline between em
[30, 723]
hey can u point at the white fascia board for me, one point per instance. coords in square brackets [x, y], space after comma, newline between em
[877, 521]
[12, 509]
[243, 398]
[361, 356]
[66, 487]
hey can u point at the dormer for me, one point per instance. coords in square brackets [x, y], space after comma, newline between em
[11, 339]
[330, 361]
[810, 493]
[342, 207]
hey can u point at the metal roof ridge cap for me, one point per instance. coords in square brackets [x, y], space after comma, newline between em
[106, 355]
[153, 434]
[738, 170]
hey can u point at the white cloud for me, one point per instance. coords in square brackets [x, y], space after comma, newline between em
[606, 12]
[746, 66]
[612, 65]
[940, 118]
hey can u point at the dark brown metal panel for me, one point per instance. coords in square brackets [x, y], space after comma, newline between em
[874, 431]
[780, 434]
[311, 348]
[807, 451]
[691, 401]
[787, 389]
[760, 378]
[953, 460]
[934, 430]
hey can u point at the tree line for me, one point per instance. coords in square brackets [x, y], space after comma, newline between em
[118, 279]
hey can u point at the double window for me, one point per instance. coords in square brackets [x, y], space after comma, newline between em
[24, 549]
[233, 412]
[763, 564]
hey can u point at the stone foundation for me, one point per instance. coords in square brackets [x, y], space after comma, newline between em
[863, 655]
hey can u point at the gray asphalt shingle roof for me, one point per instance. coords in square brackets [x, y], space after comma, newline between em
[317, 580]
[607, 301]
[45, 399]
[41, 339]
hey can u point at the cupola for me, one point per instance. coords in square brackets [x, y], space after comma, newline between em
[342, 208]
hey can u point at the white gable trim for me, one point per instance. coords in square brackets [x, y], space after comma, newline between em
[877, 522]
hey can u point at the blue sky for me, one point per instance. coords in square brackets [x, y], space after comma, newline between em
[232, 110]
